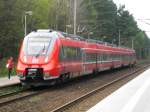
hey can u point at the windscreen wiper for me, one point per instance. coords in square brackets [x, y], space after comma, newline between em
[43, 49]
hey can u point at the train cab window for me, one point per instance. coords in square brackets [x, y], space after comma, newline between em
[37, 45]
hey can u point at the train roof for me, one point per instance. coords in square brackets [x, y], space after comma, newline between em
[76, 37]
[42, 33]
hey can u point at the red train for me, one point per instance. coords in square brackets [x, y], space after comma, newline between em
[47, 56]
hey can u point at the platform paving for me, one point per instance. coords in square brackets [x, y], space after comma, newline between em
[4, 81]
[132, 97]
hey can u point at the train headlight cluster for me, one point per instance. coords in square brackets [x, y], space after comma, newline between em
[46, 59]
[46, 76]
[25, 59]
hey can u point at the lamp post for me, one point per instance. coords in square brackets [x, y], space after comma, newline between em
[25, 20]
[75, 16]
[113, 41]
[89, 33]
[68, 26]
[132, 43]
[119, 43]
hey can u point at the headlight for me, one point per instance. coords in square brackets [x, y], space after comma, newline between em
[46, 59]
[25, 59]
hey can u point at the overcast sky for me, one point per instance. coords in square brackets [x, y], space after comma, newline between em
[140, 10]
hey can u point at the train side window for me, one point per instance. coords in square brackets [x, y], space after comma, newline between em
[99, 57]
[61, 53]
[108, 57]
[104, 57]
[112, 56]
[79, 54]
[72, 53]
[87, 57]
[90, 57]
[83, 54]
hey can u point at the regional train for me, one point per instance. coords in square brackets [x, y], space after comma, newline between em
[48, 56]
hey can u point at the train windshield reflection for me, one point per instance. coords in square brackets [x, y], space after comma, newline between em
[38, 45]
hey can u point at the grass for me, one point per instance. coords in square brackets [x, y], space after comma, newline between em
[4, 70]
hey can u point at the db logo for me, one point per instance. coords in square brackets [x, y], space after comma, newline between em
[34, 60]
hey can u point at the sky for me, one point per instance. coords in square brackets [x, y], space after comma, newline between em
[140, 9]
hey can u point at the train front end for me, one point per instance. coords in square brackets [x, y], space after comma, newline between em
[38, 59]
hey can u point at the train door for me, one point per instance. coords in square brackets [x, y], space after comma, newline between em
[96, 56]
[83, 55]
[100, 62]
[85, 63]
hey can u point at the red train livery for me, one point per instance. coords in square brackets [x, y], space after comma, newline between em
[47, 56]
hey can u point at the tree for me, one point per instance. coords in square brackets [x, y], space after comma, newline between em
[127, 25]
[102, 16]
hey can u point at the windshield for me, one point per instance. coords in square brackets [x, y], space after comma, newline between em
[38, 45]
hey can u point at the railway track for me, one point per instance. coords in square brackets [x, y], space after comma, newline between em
[16, 97]
[12, 93]
[13, 90]
[83, 97]
[19, 95]
[17, 92]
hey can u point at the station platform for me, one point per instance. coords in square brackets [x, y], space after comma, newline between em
[4, 81]
[132, 97]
